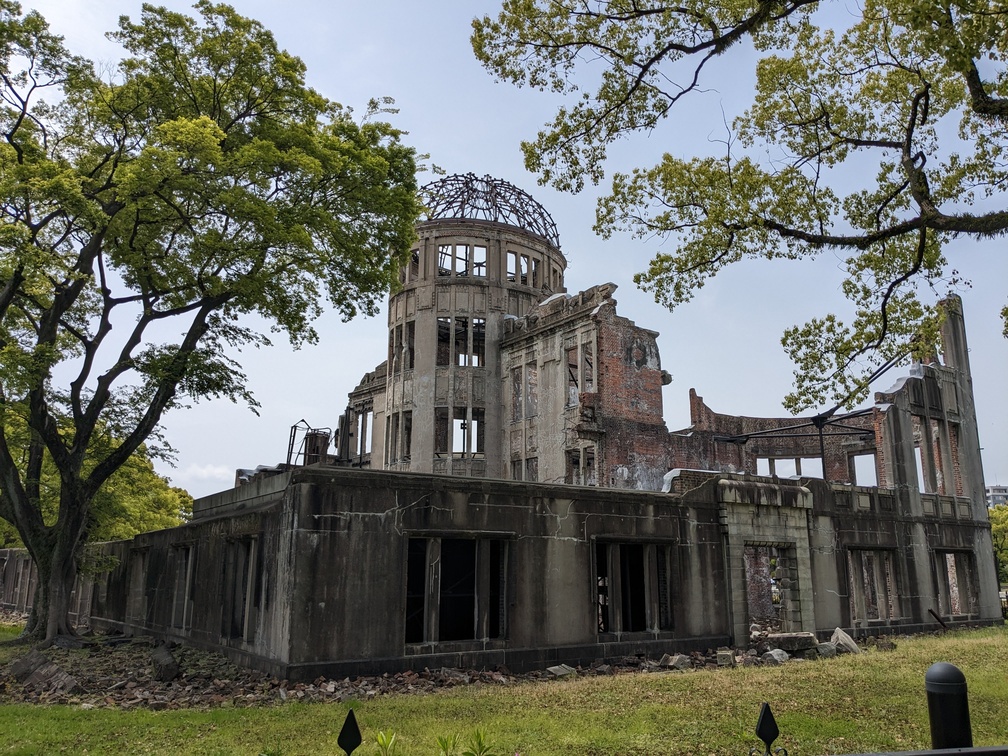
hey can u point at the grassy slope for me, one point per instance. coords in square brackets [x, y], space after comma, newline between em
[874, 701]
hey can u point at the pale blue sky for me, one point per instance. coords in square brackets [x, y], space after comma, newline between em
[726, 343]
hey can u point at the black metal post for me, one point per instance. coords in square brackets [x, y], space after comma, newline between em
[948, 707]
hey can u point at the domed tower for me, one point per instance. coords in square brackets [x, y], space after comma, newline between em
[486, 251]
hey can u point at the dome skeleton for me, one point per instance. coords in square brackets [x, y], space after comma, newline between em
[471, 197]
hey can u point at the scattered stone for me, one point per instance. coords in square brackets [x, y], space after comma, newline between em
[603, 669]
[792, 642]
[775, 657]
[827, 650]
[561, 670]
[884, 644]
[725, 657]
[50, 679]
[21, 669]
[681, 662]
[166, 667]
[844, 643]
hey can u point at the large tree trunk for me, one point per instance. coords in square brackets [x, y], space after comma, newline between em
[54, 551]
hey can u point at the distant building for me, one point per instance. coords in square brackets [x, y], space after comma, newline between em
[997, 495]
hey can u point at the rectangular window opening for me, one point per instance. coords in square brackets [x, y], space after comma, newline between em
[410, 345]
[443, 358]
[512, 266]
[587, 367]
[532, 469]
[462, 341]
[479, 261]
[441, 426]
[572, 377]
[461, 259]
[445, 254]
[456, 589]
[407, 434]
[865, 470]
[460, 433]
[478, 342]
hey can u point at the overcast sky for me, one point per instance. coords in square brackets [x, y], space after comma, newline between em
[726, 343]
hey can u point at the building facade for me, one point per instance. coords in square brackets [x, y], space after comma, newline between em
[505, 492]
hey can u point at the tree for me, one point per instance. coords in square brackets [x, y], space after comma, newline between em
[999, 535]
[156, 220]
[879, 130]
[135, 499]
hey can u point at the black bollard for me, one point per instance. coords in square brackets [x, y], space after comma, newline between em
[948, 707]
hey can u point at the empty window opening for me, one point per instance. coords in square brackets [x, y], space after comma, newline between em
[457, 600]
[242, 588]
[572, 377]
[524, 261]
[462, 341]
[416, 584]
[407, 434]
[445, 255]
[516, 469]
[763, 466]
[396, 349]
[922, 484]
[364, 431]
[409, 348]
[414, 266]
[456, 589]
[394, 438]
[478, 342]
[810, 467]
[479, 261]
[771, 587]
[956, 583]
[461, 259]
[460, 433]
[536, 277]
[441, 427]
[588, 367]
[873, 586]
[556, 280]
[185, 559]
[477, 431]
[784, 468]
[443, 342]
[865, 470]
[532, 469]
[581, 466]
[512, 266]
[634, 587]
[573, 473]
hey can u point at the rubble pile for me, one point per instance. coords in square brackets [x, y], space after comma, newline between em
[120, 672]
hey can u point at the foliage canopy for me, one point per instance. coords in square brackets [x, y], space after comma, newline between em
[156, 219]
[879, 130]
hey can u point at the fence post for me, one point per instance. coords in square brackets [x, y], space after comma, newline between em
[948, 707]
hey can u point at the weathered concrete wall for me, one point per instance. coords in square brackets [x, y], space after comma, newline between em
[344, 571]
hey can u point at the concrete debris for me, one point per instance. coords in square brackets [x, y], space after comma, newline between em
[844, 643]
[775, 657]
[561, 670]
[792, 642]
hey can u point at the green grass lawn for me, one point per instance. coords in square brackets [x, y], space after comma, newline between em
[873, 701]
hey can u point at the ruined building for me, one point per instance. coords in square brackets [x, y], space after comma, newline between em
[504, 491]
